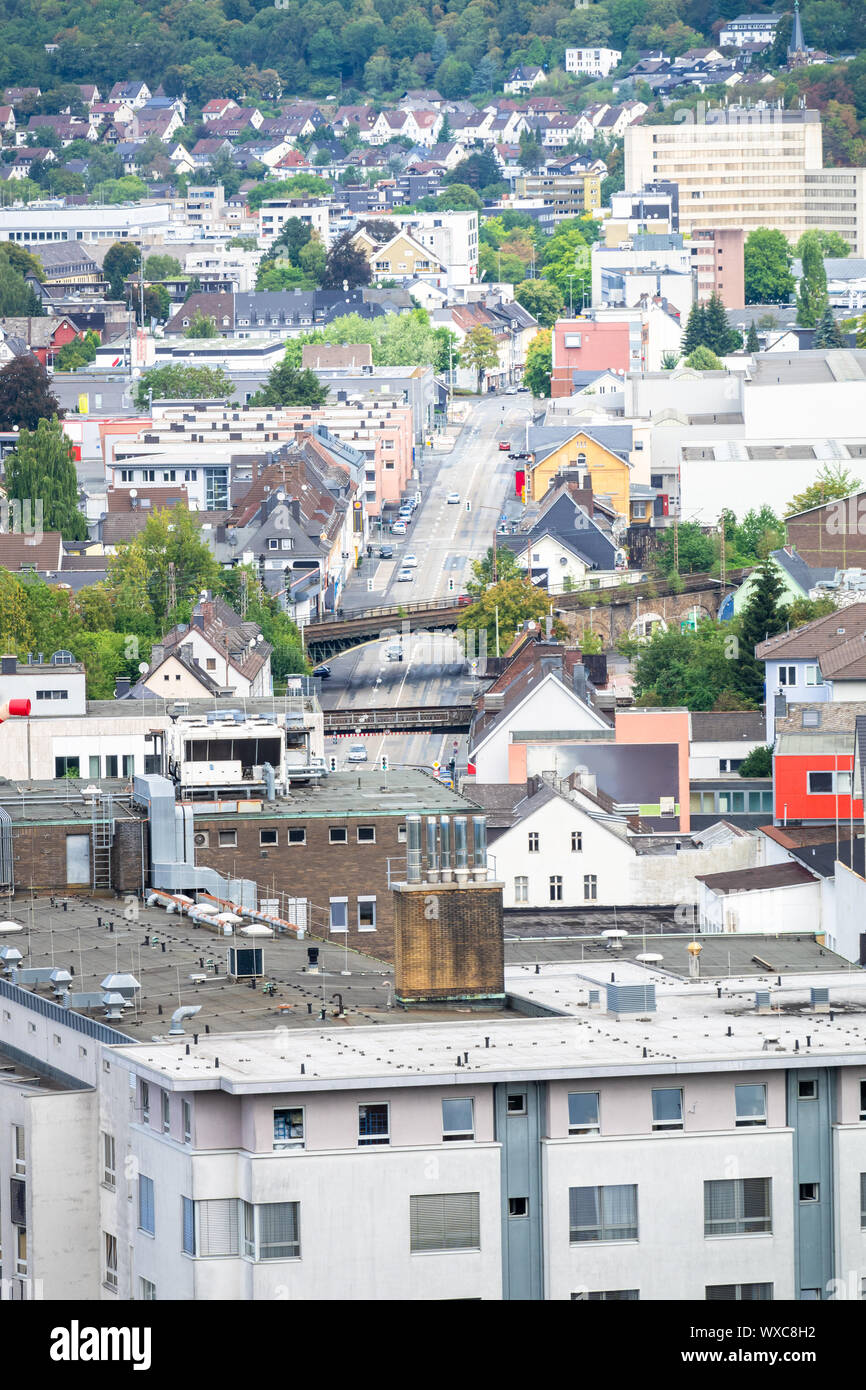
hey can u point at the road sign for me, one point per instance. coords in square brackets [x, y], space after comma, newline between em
[474, 668]
[435, 767]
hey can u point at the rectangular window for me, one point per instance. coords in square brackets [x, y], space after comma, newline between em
[297, 837]
[533, 841]
[521, 889]
[583, 1112]
[186, 1115]
[21, 1251]
[556, 888]
[813, 676]
[144, 1093]
[67, 767]
[863, 1100]
[751, 1105]
[518, 1206]
[188, 1225]
[737, 1206]
[590, 887]
[366, 834]
[267, 837]
[787, 675]
[339, 914]
[820, 783]
[111, 765]
[19, 1163]
[447, 1221]
[373, 1125]
[739, 1293]
[109, 1164]
[458, 1120]
[289, 1129]
[337, 835]
[218, 1232]
[146, 1291]
[366, 914]
[128, 765]
[515, 1103]
[810, 1192]
[146, 1213]
[110, 1276]
[607, 1296]
[166, 1113]
[807, 1090]
[667, 1108]
[602, 1213]
[576, 841]
[279, 1231]
[94, 766]
[228, 839]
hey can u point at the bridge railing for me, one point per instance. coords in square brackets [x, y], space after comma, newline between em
[393, 610]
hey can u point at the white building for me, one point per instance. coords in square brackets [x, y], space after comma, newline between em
[749, 28]
[548, 705]
[37, 223]
[594, 62]
[53, 687]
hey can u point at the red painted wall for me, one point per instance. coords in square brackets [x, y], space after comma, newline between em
[603, 346]
[791, 787]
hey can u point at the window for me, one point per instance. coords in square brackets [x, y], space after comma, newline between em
[19, 1163]
[94, 766]
[21, 1251]
[218, 1232]
[278, 1231]
[111, 765]
[273, 543]
[186, 1115]
[366, 914]
[366, 834]
[809, 1192]
[787, 675]
[109, 1164]
[602, 1213]
[668, 1108]
[521, 889]
[583, 1112]
[737, 1206]
[110, 1276]
[339, 914]
[458, 1120]
[590, 887]
[166, 1113]
[373, 1125]
[607, 1296]
[144, 1093]
[576, 841]
[751, 1105]
[813, 676]
[146, 1291]
[515, 1103]
[297, 837]
[863, 1201]
[556, 888]
[228, 839]
[518, 1206]
[187, 1207]
[67, 767]
[447, 1221]
[337, 835]
[739, 1293]
[128, 764]
[267, 837]
[289, 1129]
[146, 1214]
[863, 1100]
[532, 838]
[820, 783]
[807, 1090]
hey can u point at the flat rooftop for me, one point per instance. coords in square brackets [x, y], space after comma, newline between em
[63, 801]
[370, 793]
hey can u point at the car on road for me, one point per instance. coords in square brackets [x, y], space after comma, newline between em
[405, 576]
[410, 562]
[323, 672]
[386, 552]
[357, 753]
[504, 446]
[394, 651]
[453, 498]
[398, 528]
[464, 600]
[511, 390]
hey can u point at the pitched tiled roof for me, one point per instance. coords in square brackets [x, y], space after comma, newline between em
[21, 551]
[817, 637]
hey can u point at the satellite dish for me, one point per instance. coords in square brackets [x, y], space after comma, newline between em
[133, 492]
[136, 373]
[142, 666]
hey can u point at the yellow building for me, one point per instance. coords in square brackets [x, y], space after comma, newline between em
[568, 195]
[602, 453]
[400, 257]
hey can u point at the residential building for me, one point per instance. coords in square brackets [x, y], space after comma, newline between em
[592, 62]
[52, 687]
[820, 662]
[717, 261]
[580, 345]
[599, 452]
[749, 29]
[566, 195]
[816, 771]
[524, 78]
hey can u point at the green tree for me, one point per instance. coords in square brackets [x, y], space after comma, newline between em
[703, 359]
[681, 666]
[42, 470]
[830, 243]
[695, 550]
[77, 353]
[17, 298]
[812, 297]
[178, 383]
[459, 198]
[201, 326]
[539, 363]
[159, 267]
[121, 259]
[25, 394]
[21, 259]
[759, 763]
[758, 533]
[15, 632]
[288, 656]
[767, 267]
[827, 331]
[693, 337]
[541, 299]
[171, 555]
[492, 568]
[832, 482]
[719, 337]
[288, 385]
[752, 341]
[479, 170]
[761, 618]
[479, 352]
[806, 610]
[508, 603]
[345, 265]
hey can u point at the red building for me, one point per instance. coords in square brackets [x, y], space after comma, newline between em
[586, 345]
[812, 779]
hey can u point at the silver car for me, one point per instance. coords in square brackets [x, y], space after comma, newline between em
[357, 753]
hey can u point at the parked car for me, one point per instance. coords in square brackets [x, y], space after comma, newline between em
[405, 576]
[386, 552]
[357, 753]
[323, 672]
[398, 528]
[453, 498]
[504, 446]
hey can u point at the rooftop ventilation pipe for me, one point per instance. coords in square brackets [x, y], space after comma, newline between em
[461, 857]
[432, 851]
[479, 848]
[188, 1011]
[445, 848]
[413, 849]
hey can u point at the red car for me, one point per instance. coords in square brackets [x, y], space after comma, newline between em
[464, 600]
[504, 446]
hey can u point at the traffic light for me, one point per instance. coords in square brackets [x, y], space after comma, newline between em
[452, 768]
[469, 506]
[450, 585]
[384, 762]
[332, 763]
[369, 586]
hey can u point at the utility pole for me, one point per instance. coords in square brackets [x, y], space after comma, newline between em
[676, 545]
[496, 612]
[722, 566]
[494, 555]
[172, 587]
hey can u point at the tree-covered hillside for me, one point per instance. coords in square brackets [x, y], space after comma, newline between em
[222, 47]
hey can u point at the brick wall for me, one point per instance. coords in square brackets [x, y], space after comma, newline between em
[449, 942]
[39, 856]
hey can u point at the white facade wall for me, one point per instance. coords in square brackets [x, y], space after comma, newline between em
[705, 758]
[550, 706]
[849, 918]
[796, 908]
[28, 681]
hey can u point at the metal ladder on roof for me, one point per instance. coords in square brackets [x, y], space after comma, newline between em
[101, 840]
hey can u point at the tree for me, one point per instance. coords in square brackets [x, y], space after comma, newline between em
[767, 267]
[480, 352]
[287, 385]
[508, 603]
[831, 244]
[178, 383]
[703, 359]
[759, 763]
[17, 298]
[288, 656]
[827, 332]
[719, 337]
[77, 353]
[41, 470]
[459, 198]
[832, 482]
[201, 326]
[20, 259]
[158, 267]
[539, 363]
[812, 297]
[25, 394]
[752, 341]
[493, 568]
[345, 265]
[693, 336]
[169, 555]
[121, 260]
[446, 356]
[681, 666]
[806, 610]
[453, 79]
[478, 170]
[761, 618]
[758, 534]
[542, 300]
[695, 550]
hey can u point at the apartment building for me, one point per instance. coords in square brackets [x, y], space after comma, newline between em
[592, 62]
[717, 262]
[38, 224]
[743, 168]
[564, 195]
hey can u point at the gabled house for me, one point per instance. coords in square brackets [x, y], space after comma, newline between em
[566, 543]
[232, 652]
[7, 120]
[820, 662]
[401, 258]
[600, 452]
[218, 107]
[135, 93]
[524, 78]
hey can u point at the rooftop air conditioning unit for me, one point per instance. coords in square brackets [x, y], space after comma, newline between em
[201, 839]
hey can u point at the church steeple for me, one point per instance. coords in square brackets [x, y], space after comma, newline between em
[796, 46]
